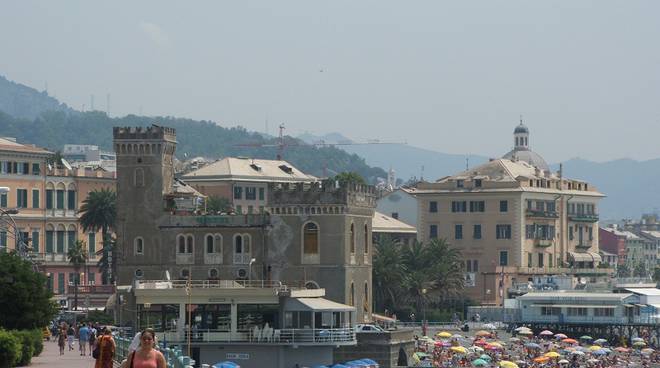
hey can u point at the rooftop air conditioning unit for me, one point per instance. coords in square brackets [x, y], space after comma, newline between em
[242, 273]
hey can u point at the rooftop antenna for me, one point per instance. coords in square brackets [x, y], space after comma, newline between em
[467, 162]
[421, 177]
[521, 119]
[91, 100]
[280, 147]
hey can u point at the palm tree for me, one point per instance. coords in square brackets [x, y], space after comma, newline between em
[99, 212]
[389, 273]
[77, 257]
[421, 281]
[445, 268]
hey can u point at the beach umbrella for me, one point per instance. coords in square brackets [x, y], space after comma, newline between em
[563, 361]
[479, 363]
[490, 326]
[496, 344]
[607, 350]
[639, 344]
[456, 336]
[508, 364]
[545, 333]
[599, 352]
[541, 359]
[582, 349]
[635, 339]
[600, 342]
[532, 345]
[523, 328]
[647, 351]
[569, 341]
[480, 342]
[459, 349]
[485, 357]
[578, 352]
[482, 333]
[443, 335]
[356, 363]
[477, 349]
[514, 339]
[226, 364]
[552, 354]
[621, 349]
[340, 366]
[586, 337]
[560, 336]
[525, 332]
[595, 347]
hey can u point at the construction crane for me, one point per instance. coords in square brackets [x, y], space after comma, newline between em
[282, 144]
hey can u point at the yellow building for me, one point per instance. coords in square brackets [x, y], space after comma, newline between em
[514, 221]
[45, 203]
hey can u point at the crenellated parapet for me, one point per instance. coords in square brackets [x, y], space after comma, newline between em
[144, 140]
[327, 192]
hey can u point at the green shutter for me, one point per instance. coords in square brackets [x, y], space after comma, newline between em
[60, 199]
[19, 197]
[3, 241]
[60, 242]
[71, 199]
[35, 198]
[71, 238]
[49, 242]
[49, 199]
[91, 241]
[3, 200]
[35, 241]
[60, 283]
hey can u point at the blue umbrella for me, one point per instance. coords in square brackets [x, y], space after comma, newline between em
[356, 363]
[367, 360]
[599, 352]
[532, 345]
[226, 365]
[340, 366]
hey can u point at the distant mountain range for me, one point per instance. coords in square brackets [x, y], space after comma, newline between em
[631, 186]
[21, 101]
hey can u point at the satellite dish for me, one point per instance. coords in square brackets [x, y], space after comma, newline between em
[167, 275]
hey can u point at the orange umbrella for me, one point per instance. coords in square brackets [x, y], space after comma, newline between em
[482, 333]
[569, 341]
[541, 359]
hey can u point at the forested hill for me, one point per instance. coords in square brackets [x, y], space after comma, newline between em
[25, 102]
[53, 129]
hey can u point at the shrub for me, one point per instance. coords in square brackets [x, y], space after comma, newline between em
[10, 349]
[37, 341]
[27, 346]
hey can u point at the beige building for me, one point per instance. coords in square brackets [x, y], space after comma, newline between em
[244, 181]
[47, 202]
[513, 221]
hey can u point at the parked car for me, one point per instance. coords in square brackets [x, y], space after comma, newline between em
[368, 328]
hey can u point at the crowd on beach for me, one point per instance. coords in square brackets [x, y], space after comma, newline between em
[526, 350]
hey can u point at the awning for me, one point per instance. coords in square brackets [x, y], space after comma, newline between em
[380, 317]
[574, 306]
[110, 303]
[316, 305]
[585, 257]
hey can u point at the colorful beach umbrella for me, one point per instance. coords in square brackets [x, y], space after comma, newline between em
[569, 341]
[541, 359]
[586, 337]
[482, 333]
[532, 345]
[546, 333]
[600, 342]
[639, 344]
[443, 335]
[552, 354]
[595, 347]
[508, 364]
[459, 349]
[479, 363]
[485, 357]
[621, 349]
[560, 336]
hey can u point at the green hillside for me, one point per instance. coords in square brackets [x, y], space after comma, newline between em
[53, 129]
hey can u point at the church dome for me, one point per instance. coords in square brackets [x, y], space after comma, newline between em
[528, 156]
[521, 129]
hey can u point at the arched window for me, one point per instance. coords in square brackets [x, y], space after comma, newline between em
[190, 243]
[365, 303]
[351, 296]
[181, 244]
[366, 239]
[242, 248]
[213, 243]
[138, 243]
[138, 179]
[310, 238]
[185, 273]
[352, 239]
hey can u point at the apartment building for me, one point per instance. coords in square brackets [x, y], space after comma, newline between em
[47, 201]
[513, 220]
[244, 181]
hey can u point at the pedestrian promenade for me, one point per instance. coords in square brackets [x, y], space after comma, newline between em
[51, 358]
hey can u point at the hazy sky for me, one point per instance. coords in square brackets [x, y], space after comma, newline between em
[452, 77]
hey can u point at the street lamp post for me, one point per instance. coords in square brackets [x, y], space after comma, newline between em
[250, 269]
[424, 312]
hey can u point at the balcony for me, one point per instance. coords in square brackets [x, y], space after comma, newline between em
[190, 220]
[94, 289]
[287, 336]
[541, 243]
[583, 217]
[185, 258]
[212, 258]
[583, 246]
[564, 270]
[219, 284]
[542, 214]
[242, 258]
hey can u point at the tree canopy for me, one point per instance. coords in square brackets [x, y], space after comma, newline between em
[24, 298]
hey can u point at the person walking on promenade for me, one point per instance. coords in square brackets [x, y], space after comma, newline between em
[92, 338]
[61, 340]
[106, 345]
[145, 356]
[83, 339]
[70, 336]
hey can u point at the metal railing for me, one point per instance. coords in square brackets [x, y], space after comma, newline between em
[95, 289]
[318, 336]
[219, 284]
[543, 214]
[564, 270]
[583, 217]
[589, 319]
